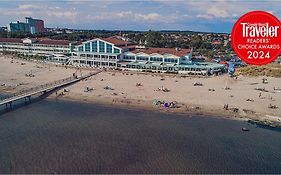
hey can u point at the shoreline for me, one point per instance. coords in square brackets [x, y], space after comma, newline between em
[138, 90]
[202, 112]
[191, 112]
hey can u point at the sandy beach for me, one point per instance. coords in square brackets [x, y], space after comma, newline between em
[19, 74]
[249, 95]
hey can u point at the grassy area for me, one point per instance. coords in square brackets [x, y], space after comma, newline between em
[270, 70]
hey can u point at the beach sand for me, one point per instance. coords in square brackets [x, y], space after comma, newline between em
[14, 74]
[207, 99]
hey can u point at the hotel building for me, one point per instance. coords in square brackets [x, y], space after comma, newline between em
[31, 25]
[18, 27]
[36, 25]
[119, 53]
[113, 52]
[35, 46]
[53, 50]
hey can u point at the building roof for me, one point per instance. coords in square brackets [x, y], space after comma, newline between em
[194, 65]
[117, 41]
[130, 47]
[37, 41]
[54, 42]
[11, 40]
[202, 65]
[151, 50]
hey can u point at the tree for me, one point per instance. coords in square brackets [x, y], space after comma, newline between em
[196, 42]
[154, 39]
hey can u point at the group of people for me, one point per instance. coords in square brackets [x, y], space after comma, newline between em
[172, 104]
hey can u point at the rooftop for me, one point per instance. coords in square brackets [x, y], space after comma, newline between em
[54, 42]
[118, 41]
[35, 40]
[10, 40]
[191, 65]
[151, 50]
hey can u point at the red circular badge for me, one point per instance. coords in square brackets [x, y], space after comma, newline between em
[256, 38]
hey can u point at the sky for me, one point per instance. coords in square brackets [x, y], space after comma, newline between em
[194, 15]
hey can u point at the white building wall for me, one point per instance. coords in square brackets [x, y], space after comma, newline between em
[34, 49]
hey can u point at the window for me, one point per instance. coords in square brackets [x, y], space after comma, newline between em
[87, 47]
[95, 46]
[157, 59]
[117, 50]
[80, 49]
[112, 57]
[142, 58]
[170, 60]
[128, 57]
[101, 47]
[108, 48]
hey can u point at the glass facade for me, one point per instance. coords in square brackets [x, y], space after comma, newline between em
[95, 46]
[80, 49]
[142, 58]
[128, 57]
[108, 48]
[170, 60]
[101, 47]
[117, 50]
[87, 47]
[98, 46]
[156, 59]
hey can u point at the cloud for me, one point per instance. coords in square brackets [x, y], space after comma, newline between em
[29, 6]
[214, 12]
[217, 12]
[6, 12]
[212, 15]
[204, 16]
[128, 16]
[50, 13]
[70, 15]
[139, 16]
[150, 16]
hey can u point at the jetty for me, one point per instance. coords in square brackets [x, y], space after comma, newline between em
[43, 89]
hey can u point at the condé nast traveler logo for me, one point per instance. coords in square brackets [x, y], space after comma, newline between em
[256, 38]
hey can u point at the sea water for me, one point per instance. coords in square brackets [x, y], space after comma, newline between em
[54, 136]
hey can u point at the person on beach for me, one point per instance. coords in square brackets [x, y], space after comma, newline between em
[225, 106]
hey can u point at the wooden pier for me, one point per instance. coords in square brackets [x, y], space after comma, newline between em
[26, 94]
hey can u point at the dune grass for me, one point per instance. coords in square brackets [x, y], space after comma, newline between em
[270, 70]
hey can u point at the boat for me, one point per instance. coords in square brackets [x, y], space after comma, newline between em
[245, 129]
